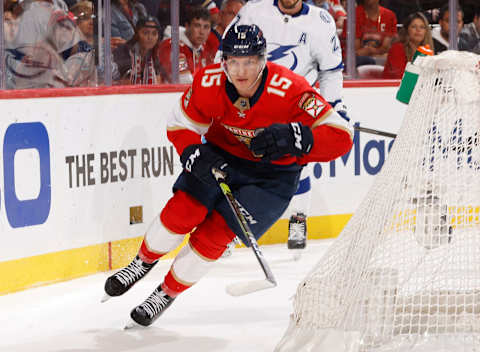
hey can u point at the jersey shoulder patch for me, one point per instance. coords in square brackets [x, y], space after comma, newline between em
[312, 104]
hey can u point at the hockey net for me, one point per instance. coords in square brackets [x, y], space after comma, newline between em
[404, 275]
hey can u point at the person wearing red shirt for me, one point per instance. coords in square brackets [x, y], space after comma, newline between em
[414, 33]
[258, 124]
[194, 53]
[376, 26]
[228, 11]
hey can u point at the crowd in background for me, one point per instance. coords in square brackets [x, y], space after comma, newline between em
[55, 43]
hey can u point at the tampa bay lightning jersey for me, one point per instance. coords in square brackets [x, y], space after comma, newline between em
[306, 43]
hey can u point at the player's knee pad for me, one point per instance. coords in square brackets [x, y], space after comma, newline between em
[187, 269]
[182, 213]
[211, 237]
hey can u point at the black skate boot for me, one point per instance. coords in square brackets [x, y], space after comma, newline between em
[149, 311]
[297, 231]
[123, 280]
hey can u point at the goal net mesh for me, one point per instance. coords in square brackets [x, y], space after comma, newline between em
[404, 275]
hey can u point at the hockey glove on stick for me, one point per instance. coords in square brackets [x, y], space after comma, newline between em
[278, 140]
[199, 159]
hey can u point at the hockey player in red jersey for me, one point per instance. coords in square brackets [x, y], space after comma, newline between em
[257, 122]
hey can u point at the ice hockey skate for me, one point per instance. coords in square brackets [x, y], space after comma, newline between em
[297, 234]
[149, 311]
[123, 280]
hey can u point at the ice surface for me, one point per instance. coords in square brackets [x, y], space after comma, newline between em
[68, 317]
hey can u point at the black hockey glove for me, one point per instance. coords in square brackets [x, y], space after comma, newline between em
[279, 140]
[199, 159]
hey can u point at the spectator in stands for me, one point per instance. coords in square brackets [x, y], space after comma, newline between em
[193, 54]
[441, 34]
[211, 6]
[125, 14]
[185, 7]
[414, 33]
[136, 60]
[228, 11]
[469, 39]
[48, 50]
[152, 6]
[10, 30]
[376, 26]
[10, 26]
[77, 54]
[83, 12]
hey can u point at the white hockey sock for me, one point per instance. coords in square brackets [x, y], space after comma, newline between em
[159, 239]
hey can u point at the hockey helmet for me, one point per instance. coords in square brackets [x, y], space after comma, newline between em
[244, 40]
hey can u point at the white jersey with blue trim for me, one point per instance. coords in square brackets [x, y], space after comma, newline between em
[306, 43]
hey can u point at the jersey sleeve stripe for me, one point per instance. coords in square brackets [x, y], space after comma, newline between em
[322, 119]
[179, 120]
[333, 119]
[343, 128]
[340, 66]
[201, 125]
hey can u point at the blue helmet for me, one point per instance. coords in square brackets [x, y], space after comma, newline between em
[244, 40]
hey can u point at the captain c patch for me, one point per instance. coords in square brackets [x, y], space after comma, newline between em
[311, 104]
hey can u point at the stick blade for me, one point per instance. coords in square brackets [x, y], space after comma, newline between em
[247, 287]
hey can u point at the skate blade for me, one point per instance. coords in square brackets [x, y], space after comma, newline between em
[132, 325]
[105, 298]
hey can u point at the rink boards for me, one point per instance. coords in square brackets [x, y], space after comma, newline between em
[82, 172]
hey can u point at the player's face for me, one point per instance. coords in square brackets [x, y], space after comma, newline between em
[290, 4]
[244, 71]
[197, 31]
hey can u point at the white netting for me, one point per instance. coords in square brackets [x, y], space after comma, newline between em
[404, 275]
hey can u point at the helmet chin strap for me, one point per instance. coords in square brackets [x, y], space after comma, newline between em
[264, 63]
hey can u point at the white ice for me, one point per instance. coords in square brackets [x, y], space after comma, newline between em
[68, 317]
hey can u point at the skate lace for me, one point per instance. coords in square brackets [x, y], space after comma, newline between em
[132, 272]
[155, 303]
[297, 231]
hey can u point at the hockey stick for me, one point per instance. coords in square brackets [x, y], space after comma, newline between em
[377, 132]
[245, 287]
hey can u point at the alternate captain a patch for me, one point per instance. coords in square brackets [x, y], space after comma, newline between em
[311, 104]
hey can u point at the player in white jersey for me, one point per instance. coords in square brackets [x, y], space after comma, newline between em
[303, 38]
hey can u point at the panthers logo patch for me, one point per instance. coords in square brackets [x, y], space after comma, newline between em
[311, 104]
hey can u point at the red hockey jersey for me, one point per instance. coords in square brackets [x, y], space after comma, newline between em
[212, 107]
